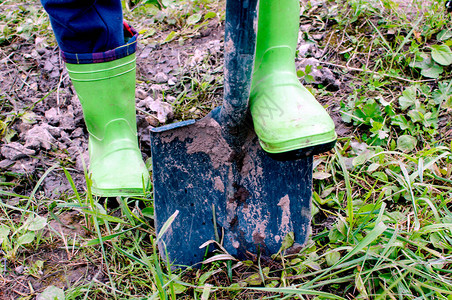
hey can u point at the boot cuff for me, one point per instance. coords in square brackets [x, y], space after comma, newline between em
[130, 36]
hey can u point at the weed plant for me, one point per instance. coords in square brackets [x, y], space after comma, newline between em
[382, 223]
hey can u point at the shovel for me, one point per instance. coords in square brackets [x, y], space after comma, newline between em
[215, 174]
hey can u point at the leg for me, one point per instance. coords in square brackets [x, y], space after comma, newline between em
[86, 26]
[289, 122]
[102, 68]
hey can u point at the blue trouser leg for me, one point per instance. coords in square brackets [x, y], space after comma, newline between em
[84, 26]
[88, 30]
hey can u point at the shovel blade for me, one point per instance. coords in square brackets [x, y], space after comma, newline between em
[249, 199]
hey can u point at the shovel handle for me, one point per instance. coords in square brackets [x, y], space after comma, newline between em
[239, 48]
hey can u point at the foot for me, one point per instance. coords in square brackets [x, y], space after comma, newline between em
[116, 164]
[288, 120]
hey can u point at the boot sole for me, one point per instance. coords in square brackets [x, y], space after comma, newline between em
[118, 192]
[302, 153]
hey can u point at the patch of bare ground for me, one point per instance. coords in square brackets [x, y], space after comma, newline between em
[57, 261]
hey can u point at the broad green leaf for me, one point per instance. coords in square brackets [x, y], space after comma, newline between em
[334, 236]
[166, 3]
[318, 199]
[422, 60]
[442, 54]
[448, 103]
[406, 143]
[416, 115]
[37, 223]
[401, 121]
[193, 19]
[408, 97]
[332, 258]
[29, 117]
[443, 92]
[4, 232]
[157, 3]
[210, 15]
[206, 292]
[432, 71]
[26, 238]
[254, 279]
[443, 35]
[288, 241]
[428, 67]
[170, 37]
[373, 167]
[148, 212]
[178, 288]
[314, 210]
[51, 293]
[362, 158]
[205, 276]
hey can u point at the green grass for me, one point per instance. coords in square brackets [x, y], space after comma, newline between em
[382, 214]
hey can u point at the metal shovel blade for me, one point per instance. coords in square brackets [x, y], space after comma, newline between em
[214, 172]
[254, 200]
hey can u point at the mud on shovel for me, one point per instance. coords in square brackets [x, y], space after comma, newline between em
[213, 169]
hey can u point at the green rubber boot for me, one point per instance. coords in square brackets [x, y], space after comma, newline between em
[107, 94]
[288, 120]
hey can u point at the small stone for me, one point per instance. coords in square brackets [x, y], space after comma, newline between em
[171, 82]
[54, 131]
[146, 51]
[317, 37]
[164, 110]
[310, 61]
[152, 120]
[156, 88]
[24, 127]
[6, 163]
[146, 102]
[39, 136]
[214, 47]
[19, 269]
[170, 99]
[304, 49]
[78, 132]
[52, 116]
[141, 94]
[48, 66]
[41, 51]
[197, 58]
[14, 151]
[25, 166]
[161, 77]
[69, 119]
[305, 28]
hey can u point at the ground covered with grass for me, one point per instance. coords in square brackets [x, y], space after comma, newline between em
[381, 226]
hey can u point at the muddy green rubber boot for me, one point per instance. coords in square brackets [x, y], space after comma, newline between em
[288, 120]
[107, 94]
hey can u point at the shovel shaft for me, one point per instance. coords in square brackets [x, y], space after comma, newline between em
[240, 41]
